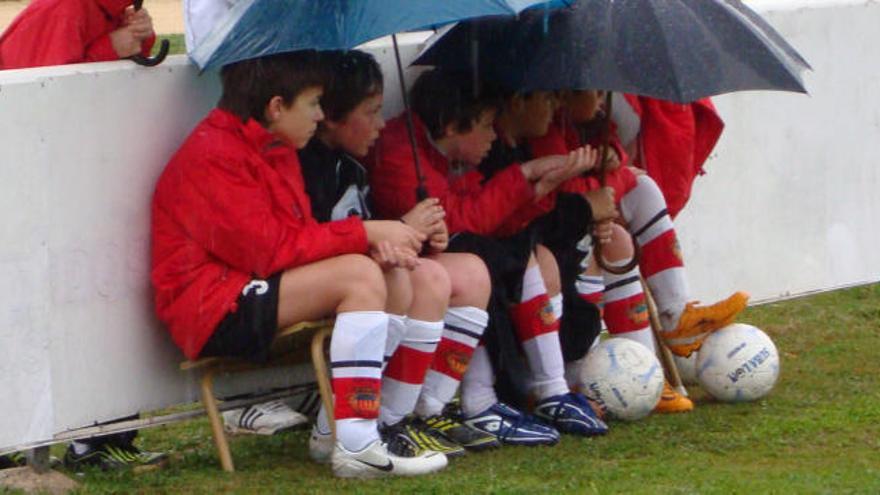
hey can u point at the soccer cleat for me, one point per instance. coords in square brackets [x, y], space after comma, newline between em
[672, 401]
[409, 438]
[697, 322]
[459, 433]
[571, 413]
[267, 418]
[376, 461]
[513, 427]
[320, 446]
[109, 457]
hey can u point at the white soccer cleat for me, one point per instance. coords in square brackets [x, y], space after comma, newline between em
[375, 461]
[267, 418]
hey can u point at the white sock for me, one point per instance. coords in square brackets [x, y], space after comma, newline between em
[356, 350]
[463, 328]
[533, 284]
[405, 373]
[478, 385]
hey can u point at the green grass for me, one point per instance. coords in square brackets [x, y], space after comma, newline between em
[818, 432]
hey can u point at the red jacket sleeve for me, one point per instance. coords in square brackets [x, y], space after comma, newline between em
[481, 211]
[229, 213]
[37, 44]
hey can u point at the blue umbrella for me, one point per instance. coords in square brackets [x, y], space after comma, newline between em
[677, 50]
[254, 28]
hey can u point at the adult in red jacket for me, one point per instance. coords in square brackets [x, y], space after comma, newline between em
[57, 32]
[237, 253]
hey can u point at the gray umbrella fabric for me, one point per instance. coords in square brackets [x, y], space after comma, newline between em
[677, 50]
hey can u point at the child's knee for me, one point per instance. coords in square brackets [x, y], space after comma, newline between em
[470, 280]
[430, 277]
[364, 274]
[549, 269]
[621, 246]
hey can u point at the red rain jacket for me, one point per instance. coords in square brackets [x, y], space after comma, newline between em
[675, 142]
[471, 205]
[561, 138]
[229, 207]
[57, 32]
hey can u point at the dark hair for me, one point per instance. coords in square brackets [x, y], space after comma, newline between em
[441, 97]
[352, 77]
[250, 84]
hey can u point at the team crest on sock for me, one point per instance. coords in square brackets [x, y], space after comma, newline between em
[546, 314]
[638, 313]
[364, 401]
[675, 246]
[457, 360]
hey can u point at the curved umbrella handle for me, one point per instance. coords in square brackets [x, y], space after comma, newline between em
[164, 47]
[637, 252]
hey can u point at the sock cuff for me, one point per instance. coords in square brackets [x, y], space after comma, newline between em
[470, 317]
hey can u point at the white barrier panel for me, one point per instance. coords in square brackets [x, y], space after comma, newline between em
[787, 207]
[789, 204]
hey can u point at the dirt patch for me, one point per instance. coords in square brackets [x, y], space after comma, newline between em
[26, 479]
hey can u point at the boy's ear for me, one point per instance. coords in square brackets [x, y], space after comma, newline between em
[273, 109]
[516, 103]
[450, 130]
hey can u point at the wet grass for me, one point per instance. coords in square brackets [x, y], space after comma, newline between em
[818, 432]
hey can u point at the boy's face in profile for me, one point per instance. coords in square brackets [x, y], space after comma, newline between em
[473, 145]
[534, 112]
[359, 129]
[296, 124]
[584, 105]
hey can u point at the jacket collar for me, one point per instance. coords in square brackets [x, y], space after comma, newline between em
[252, 131]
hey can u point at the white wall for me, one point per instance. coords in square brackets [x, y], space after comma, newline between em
[787, 207]
[789, 203]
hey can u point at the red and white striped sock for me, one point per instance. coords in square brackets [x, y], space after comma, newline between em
[405, 373]
[463, 328]
[626, 311]
[662, 263]
[538, 331]
[356, 348]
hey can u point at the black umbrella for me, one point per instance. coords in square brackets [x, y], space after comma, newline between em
[677, 50]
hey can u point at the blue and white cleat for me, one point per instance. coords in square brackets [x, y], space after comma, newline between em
[512, 427]
[571, 413]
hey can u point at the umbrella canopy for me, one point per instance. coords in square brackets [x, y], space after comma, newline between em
[253, 28]
[677, 50]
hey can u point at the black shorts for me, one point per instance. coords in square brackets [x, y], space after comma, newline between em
[249, 331]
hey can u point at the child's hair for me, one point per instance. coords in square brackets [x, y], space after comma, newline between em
[352, 77]
[250, 84]
[441, 97]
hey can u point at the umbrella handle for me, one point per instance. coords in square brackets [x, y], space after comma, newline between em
[603, 152]
[164, 47]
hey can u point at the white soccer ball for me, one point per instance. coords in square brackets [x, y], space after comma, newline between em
[687, 368]
[738, 363]
[625, 376]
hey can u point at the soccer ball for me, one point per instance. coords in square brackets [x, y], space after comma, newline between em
[738, 363]
[687, 368]
[625, 376]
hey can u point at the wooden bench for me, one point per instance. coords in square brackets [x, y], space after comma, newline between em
[290, 347]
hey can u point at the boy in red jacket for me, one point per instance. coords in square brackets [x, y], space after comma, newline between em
[237, 253]
[57, 32]
[454, 131]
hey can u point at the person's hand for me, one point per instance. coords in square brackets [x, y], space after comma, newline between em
[124, 42]
[426, 217]
[139, 22]
[393, 232]
[439, 241]
[612, 159]
[533, 170]
[389, 256]
[577, 162]
[603, 231]
[602, 203]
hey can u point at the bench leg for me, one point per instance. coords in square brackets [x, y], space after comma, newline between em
[210, 404]
[320, 364]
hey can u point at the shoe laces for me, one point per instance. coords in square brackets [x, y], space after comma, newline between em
[397, 440]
